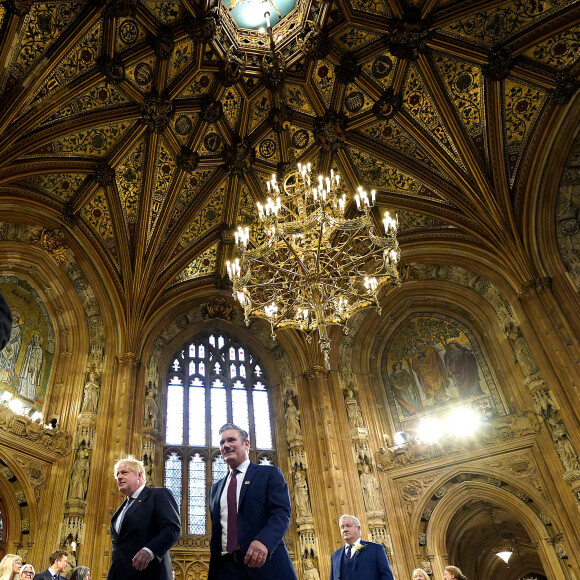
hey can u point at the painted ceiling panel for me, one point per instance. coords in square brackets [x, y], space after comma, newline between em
[129, 32]
[523, 104]
[165, 11]
[397, 124]
[465, 89]
[421, 106]
[181, 58]
[99, 97]
[129, 177]
[95, 141]
[141, 74]
[80, 60]
[203, 265]
[97, 215]
[60, 185]
[43, 25]
[164, 174]
[381, 69]
[354, 38]
[560, 51]
[496, 24]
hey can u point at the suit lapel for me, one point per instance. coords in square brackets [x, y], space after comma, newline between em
[357, 555]
[135, 505]
[248, 476]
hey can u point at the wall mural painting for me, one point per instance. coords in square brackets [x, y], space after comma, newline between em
[26, 360]
[432, 364]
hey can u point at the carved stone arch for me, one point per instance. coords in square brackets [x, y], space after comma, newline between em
[465, 492]
[19, 500]
[501, 477]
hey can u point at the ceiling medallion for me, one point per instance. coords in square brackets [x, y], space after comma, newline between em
[305, 264]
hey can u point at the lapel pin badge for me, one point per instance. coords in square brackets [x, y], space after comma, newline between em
[247, 482]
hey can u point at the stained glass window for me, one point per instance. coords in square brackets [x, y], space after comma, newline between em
[212, 380]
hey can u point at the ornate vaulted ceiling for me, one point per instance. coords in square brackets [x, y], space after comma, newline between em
[151, 126]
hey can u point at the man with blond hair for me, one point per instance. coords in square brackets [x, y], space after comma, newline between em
[144, 528]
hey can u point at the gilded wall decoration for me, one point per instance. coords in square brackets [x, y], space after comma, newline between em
[267, 149]
[191, 187]
[432, 364]
[26, 361]
[568, 216]
[410, 221]
[164, 173]
[212, 142]
[372, 6]
[391, 134]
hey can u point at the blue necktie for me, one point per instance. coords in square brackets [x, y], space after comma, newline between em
[348, 551]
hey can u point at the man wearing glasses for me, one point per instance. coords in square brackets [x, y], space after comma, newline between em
[58, 563]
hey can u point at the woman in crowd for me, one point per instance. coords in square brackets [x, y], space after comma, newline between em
[27, 572]
[80, 573]
[10, 567]
[420, 574]
[453, 573]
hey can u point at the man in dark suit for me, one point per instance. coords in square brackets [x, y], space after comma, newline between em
[144, 527]
[358, 559]
[58, 563]
[250, 513]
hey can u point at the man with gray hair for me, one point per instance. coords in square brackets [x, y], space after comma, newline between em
[144, 528]
[358, 559]
[250, 513]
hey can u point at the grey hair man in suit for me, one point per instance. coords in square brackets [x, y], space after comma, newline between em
[144, 528]
[58, 563]
[357, 558]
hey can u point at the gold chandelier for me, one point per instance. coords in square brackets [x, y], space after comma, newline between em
[305, 265]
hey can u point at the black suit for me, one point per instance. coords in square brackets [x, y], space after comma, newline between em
[46, 575]
[151, 521]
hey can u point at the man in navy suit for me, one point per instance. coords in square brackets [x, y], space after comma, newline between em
[58, 563]
[144, 527]
[250, 513]
[358, 559]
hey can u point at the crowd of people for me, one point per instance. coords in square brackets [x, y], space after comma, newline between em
[12, 567]
[250, 513]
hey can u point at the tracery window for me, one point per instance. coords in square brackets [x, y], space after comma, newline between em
[212, 380]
